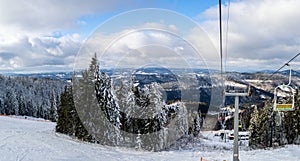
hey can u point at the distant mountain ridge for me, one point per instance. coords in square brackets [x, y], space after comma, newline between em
[50, 75]
[68, 74]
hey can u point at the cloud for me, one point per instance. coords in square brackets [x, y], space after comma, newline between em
[157, 43]
[27, 52]
[40, 33]
[130, 47]
[258, 30]
[52, 15]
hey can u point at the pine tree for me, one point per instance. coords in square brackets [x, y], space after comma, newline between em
[64, 119]
[289, 126]
[264, 128]
[68, 121]
[11, 103]
[85, 99]
[296, 117]
[107, 102]
[106, 98]
[96, 104]
[1, 106]
[291, 122]
[197, 125]
[296, 125]
[129, 108]
[253, 128]
[52, 112]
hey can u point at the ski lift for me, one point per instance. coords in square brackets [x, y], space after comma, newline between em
[237, 88]
[284, 96]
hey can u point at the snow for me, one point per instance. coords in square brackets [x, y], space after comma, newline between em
[29, 139]
[235, 84]
[145, 73]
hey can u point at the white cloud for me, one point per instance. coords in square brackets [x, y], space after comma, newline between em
[36, 32]
[28, 52]
[52, 15]
[261, 33]
[15, 62]
[149, 43]
[258, 30]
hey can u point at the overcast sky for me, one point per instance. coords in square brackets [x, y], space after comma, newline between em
[46, 35]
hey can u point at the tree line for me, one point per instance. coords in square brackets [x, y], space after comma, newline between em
[30, 96]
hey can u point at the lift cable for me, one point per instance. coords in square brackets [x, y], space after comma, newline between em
[220, 27]
[287, 63]
[226, 35]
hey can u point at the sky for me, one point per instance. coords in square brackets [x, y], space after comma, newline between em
[44, 36]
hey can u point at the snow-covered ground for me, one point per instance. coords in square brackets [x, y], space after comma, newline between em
[35, 140]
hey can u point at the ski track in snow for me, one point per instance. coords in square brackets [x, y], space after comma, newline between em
[29, 140]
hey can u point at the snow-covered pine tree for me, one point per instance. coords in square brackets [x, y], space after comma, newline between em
[129, 106]
[65, 121]
[291, 122]
[52, 112]
[197, 125]
[68, 121]
[10, 103]
[253, 128]
[297, 117]
[264, 128]
[2, 106]
[106, 98]
[106, 101]
[289, 126]
[157, 104]
[138, 141]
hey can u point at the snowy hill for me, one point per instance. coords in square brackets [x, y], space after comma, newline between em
[50, 75]
[34, 140]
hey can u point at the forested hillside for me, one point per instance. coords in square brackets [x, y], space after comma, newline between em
[28, 96]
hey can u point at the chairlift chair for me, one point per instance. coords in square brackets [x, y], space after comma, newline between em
[241, 91]
[284, 96]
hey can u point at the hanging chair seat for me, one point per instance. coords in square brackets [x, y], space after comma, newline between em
[284, 107]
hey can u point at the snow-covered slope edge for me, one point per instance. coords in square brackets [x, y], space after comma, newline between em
[32, 140]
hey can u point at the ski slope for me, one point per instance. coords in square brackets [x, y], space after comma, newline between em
[35, 140]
